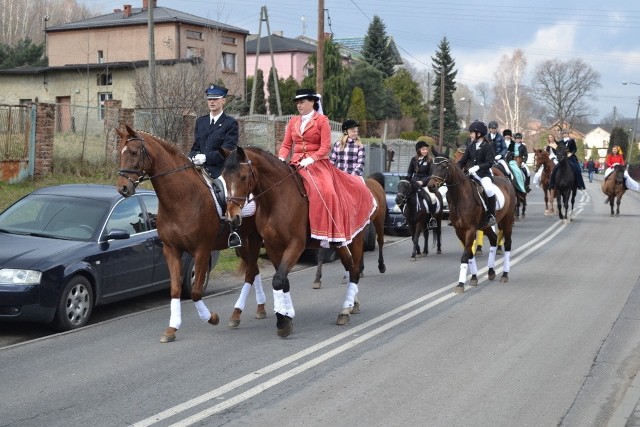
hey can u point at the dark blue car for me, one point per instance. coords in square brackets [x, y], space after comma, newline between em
[65, 249]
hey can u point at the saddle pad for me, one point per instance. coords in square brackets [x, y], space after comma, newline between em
[499, 197]
[248, 210]
[433, 198]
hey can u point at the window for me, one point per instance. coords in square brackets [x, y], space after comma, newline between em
[105, 79]
[195, 52]
[228, 62]
[103, 96]
[100, 57]
[127, 216]
[195, 35]
[228, 40]
[308, 72]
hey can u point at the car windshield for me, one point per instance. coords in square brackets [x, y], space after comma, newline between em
[54, 216]
[391, 183]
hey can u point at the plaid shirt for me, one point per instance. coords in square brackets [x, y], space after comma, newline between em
[350, 160]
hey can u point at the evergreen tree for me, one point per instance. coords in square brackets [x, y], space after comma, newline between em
[371, 81]
[335, 99]
[408, 95]
[443, 59]
[23, 54]
[376, 50]
[620, 138]
[358, 110]
[287, 90]
[260, 105]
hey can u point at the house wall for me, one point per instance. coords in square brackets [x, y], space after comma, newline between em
[288, 64]
[597, 139]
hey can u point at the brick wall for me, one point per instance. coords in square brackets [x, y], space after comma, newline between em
[45, 128]
[115, 117]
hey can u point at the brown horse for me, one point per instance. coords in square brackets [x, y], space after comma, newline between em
[282, 216]
[613, 187]
[375, 184]
[542, 160]
[187, 220]
[467, 215]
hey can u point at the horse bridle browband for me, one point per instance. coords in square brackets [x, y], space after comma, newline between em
[143, 175]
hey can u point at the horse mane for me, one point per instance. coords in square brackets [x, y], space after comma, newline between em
[232, 163]
[378, 177]
[171, 148]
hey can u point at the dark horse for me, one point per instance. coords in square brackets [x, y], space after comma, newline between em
[375, 184]
[282, 216]
[565, 184]
[467, 215]
[613, 187]
[542, 160]
[418, 218]
[187, 218]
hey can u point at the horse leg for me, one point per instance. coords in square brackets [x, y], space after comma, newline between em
[317, 283]
[202, 265]
[468, 237]
[618, 200]
[350, 256]
[282, 303]
[506, 265]
[380, 235]
[249, 254]
[473, 269]
[437, 236]
[425, 233]
[493, 249]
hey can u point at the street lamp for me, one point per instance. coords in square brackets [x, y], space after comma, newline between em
[635, 125]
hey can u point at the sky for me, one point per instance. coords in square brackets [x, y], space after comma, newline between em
[604, 34]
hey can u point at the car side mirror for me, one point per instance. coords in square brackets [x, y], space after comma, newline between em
[116, 234]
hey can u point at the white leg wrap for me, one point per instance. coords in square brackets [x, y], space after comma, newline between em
[507, 261]
[203, 311]
[491, 262]
[242, 299]
[462, 278]
[261, 298]
[288, 305]
[473, 267]
[277, 301]
[176, 316]
[352, 291]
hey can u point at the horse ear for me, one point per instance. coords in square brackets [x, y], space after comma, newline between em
[224, 152]
[433, 151]
[120, 134]
[446, 153]
[130, 131]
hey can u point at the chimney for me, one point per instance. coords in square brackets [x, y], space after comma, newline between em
[127, 10]
[278, 33]
[145, 4]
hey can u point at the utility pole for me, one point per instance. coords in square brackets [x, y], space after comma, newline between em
[442, 82]
[633, 137]
[152, 67]
[320, 51]
[264, 17]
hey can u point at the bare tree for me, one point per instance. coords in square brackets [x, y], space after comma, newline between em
[180, 93]
[564, 87]
[510, 92]
[482, 89]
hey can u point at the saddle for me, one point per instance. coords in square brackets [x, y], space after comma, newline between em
[217, 188]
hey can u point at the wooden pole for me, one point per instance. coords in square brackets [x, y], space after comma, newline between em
[442, 83]
[320, 51]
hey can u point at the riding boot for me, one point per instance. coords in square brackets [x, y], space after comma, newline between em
[432, 209]
[527, 180]
[491, 211]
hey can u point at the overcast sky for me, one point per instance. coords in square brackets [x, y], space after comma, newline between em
[605, 34]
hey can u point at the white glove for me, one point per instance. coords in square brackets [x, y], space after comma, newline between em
[474, 169]
[199, 159]
[306, 162]
[281, 159]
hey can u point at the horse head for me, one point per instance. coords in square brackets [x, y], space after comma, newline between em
[540, 157]
[619, 172]
[440, 173]
[135, 162]
[240, 179]
[404, 191]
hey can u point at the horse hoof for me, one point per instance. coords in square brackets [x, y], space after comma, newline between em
[612, 215]
[412, 259]
[459, 289]
[234, 320]
[473, 281]
[284, 324]
[492, 274]
[478, 252]
[317, 285]
[261, 313]
[343, 319]
[361, 275]
[214, 319]
[499, 251]
[169, 335]
[356, 307]
[524, 216]
[504, 278]
[439, 252]
[382, 268]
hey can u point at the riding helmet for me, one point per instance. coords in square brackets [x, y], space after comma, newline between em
[517, 135]
[348, 124]
[493, 124]
[421, 144]
[506, 132]
[479, 127]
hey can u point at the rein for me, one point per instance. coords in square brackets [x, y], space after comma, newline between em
[243, 201]
[143, 175]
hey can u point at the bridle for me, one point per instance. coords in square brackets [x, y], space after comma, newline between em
[142, 173]
[441, 180]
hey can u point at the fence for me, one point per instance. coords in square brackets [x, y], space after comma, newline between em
[15, 124]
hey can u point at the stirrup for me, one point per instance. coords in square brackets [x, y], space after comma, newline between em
[491, 220]
[234, 240]
[432, 223]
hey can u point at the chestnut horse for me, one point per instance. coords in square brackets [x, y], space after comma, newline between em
[418, 219]
[613, 187]
[542, 160]
[375, 184]
[467, 215]
[187, 221]
[282, 216]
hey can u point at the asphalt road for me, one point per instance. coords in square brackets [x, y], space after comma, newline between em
[557, 345]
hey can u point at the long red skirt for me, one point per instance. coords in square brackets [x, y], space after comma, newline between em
[340, 204]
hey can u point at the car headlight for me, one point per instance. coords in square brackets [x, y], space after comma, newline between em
[14, 276]
[396, 209]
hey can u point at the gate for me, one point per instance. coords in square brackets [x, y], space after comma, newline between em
[17, 142]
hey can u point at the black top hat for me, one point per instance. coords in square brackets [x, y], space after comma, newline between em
[306, 94]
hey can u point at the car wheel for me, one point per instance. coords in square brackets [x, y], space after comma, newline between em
[75, 305]
[369, 238]
[190, 275]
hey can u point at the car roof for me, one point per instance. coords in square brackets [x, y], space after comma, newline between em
[91, 191]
